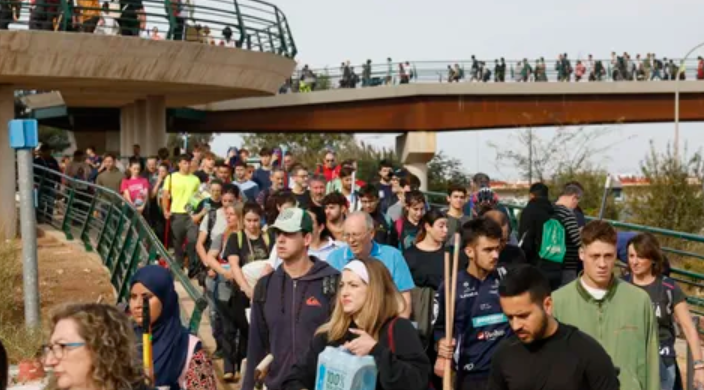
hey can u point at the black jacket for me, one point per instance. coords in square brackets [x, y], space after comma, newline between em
[530, 228]
[407, 368]
[293, 310]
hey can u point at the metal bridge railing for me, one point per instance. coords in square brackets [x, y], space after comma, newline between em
[111, 227]
[252, 24]
[437, 72]
[679, 239]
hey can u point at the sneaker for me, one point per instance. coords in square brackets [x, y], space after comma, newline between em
[229, 377]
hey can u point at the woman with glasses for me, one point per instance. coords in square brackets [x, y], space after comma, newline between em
[92, 346]
[366, 321]
[180, 362]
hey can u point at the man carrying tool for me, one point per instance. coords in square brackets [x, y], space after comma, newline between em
[478, 322]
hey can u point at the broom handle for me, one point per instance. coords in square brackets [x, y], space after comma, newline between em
[447, 376]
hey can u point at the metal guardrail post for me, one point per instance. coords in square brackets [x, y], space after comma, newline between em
[66, 224]
[134, 259]
[240, 26]
[249, 42]
[294, 49]
[86, 226]
[121, 257]
[118, 232]
[282, 36]
[101, 235]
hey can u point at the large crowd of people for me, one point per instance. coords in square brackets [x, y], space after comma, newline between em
[620, 67]
[294, 260]
[113, 17]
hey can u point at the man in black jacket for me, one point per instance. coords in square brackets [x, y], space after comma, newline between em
[530, 228]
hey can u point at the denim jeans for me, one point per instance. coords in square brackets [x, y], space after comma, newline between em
[667, 375]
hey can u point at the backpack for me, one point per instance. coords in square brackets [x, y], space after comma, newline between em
[265, 237]
[330, 284]
[410, 239]
[552, 246]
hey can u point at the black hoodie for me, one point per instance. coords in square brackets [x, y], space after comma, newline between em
[294, 309]
[530, 228]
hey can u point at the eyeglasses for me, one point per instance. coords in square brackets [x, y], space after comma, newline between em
[332, 160]
[354, 236]
[59, 349]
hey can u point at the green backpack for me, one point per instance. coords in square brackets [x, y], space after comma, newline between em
[552, 247]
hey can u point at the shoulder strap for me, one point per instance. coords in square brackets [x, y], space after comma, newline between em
[399, 227]
[240, 238]
[259, 298]
[390, 331]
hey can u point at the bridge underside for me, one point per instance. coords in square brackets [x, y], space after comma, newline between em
[447, 113]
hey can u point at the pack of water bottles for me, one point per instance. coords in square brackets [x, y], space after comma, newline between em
[338, 369]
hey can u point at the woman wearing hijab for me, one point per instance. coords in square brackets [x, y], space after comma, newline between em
[365, 321]
[180, 362]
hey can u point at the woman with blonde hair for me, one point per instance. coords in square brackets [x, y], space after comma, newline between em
[92, 346]
[366, 321]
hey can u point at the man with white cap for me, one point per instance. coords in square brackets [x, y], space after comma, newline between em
[290, 303]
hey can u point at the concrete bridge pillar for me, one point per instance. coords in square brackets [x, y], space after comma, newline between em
[139, 131]
[416, 149]
[127, 127]
[155, 126]
[8, 206]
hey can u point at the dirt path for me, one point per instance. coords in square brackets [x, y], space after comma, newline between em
[67, 273]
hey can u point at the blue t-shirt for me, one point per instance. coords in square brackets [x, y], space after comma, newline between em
[390, 256]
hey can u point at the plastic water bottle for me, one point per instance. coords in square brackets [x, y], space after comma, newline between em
[338, 369]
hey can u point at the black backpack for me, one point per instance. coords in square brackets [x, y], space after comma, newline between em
[330, 284]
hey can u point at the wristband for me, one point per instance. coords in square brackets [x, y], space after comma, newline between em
[698, 363]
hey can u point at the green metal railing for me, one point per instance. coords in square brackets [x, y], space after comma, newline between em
[683, 276]
[111, 227]
[437, 72]
[252, 24]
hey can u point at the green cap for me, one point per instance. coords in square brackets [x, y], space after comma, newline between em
[293, 220]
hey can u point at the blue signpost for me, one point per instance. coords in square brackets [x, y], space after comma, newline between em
[24, 137]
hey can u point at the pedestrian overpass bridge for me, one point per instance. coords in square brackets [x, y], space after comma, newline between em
[453, 106]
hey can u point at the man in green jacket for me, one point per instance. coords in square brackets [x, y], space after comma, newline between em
[615, 313]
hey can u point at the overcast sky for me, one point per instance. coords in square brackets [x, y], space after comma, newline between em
[328, 32]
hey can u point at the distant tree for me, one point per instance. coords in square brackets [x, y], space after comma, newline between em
[57, 139]
[673, 199]
[175, 140]
[538, 158]
[308, 148]
[368, 158]
[443, 171]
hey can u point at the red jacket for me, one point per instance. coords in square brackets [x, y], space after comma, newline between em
[330, 174]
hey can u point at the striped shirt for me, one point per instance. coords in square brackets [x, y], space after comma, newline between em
[573, 239]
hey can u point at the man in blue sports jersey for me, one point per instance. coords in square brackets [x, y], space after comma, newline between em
[479, 324]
